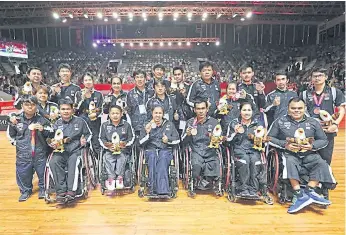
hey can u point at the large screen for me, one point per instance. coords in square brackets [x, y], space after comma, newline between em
[13, 49]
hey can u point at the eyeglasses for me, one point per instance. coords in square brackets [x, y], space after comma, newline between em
[318, 75]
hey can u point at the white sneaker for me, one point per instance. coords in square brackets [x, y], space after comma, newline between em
[110, 184]
[119, 183]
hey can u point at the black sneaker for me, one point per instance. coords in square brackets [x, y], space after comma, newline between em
[24, 196]
[61, 199]
[41, 194]
[253, 195]
[245, 193]
[70, 196]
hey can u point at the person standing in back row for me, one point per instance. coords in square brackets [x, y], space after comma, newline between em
[323, 97]
[206, 88]
[64, 89]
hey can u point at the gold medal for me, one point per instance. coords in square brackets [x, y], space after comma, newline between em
[194, 131]
[241, 130]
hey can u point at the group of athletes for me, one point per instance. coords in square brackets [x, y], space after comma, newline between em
[159, 113]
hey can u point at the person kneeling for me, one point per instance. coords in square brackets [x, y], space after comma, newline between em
[247, 135]
[116, 137]
[71, 134]
[301, 137]
[158, 137]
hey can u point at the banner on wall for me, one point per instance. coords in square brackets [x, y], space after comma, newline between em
[13, 49]
[3, 122]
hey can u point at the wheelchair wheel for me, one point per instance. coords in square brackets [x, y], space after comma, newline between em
[187, 166]
[281, 199]
[132, 189]
[140, 193]
[273, 170]
[86, 194]
[173, 194]
[47, 201]
[191, 194]
[228, 173]
[231, 197]
[91, 168]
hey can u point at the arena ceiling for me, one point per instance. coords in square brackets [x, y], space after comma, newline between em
[30, 12]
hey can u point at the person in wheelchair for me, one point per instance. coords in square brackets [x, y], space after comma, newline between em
[300, 137]
[29, 135]
[157, 138]
[71, 134]
[204, 159]
[247, 136]
[116, 137]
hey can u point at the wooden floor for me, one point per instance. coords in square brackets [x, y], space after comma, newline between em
[131, 215]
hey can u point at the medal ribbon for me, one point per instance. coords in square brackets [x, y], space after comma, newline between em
[33, 142]
[318, 102]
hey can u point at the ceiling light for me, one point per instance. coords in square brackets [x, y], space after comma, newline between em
[189, 15]
[179, 43]
[130, 14]
[160, 15]
[151, 44]
[70, 15]
[119, 19]
[104, 45]
[122, 44]
[145, 19]
[217, 43]
[99, 15]
[56, 15]
[242, 19]
[188, 44]
[205, 15]
[106, 19]
[141, 44]
[131, 44]
[64, 20]
[234, 15]
[169, 44]
[144, 15]
[94, 44]
[176, 15]
[218, 16]
[114, 44]
[109, 41]
[249, 14]
[85, 15]
[115, 15]
[97, 41]
[161, 44]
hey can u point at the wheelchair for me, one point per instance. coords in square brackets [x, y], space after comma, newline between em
[282, 187]
[173, 176]
[232, 176]
[188, 180]
[129, 175]
[87, 176]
